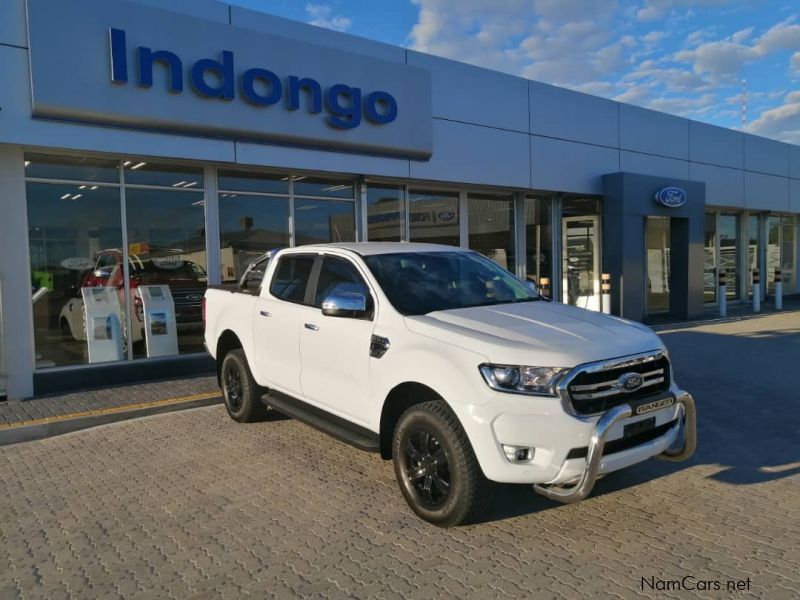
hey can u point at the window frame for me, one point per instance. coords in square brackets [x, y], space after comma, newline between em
[313, 274]
[372, 304]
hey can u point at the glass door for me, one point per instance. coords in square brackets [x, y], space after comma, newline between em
[753, 251]
[729, 252]
[710, 259]
[657, 234]
[580, 267]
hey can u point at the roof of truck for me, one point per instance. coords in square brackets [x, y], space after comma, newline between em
[370, 248]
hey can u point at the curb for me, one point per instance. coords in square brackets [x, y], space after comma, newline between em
[37, 429]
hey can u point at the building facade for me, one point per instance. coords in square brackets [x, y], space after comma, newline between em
[151, 143]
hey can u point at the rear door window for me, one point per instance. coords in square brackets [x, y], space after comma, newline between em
[291, 278]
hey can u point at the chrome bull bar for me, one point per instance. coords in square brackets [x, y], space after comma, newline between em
[583, 487]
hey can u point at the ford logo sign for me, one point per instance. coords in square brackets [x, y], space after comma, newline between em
[630, 382]
[671, 197]
[446, 215]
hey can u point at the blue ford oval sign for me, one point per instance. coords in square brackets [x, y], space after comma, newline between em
[671, 197]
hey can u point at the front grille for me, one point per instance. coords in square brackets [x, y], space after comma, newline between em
[595, 390]
[191, 297]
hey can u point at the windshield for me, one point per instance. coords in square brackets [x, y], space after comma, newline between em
[417, 283]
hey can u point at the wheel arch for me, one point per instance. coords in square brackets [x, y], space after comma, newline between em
[400, 398]
[227, 341]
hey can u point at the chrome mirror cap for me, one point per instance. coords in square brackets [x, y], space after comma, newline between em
[344, 304]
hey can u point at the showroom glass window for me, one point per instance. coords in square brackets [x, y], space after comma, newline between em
[433, 217]
[539, 239]
[324, 210]
[710, 259]
[781, 252]
[385, 210]
[75, 241]
[491, 227]
[253, 218]
[167, 247]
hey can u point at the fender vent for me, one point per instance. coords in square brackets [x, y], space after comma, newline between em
[378, 346]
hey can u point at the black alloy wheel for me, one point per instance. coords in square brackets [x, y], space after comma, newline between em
[426, 467]
[435, 466]
[240, 391]
[232, 388]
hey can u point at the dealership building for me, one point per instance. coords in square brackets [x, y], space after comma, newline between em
[150, 146]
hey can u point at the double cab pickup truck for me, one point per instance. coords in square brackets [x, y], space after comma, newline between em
[444, 362]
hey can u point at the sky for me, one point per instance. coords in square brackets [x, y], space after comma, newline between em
[685, 57]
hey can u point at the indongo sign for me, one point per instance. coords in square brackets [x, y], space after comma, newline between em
[671, 197]
[126, 64]
[258, 86]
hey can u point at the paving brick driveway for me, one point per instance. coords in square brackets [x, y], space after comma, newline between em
[192, 505]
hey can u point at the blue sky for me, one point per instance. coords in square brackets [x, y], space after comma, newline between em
[686, 57]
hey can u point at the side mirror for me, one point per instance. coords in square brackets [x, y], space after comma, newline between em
[344, 304]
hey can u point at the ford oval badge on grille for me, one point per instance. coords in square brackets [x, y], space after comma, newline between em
[194, 297]
[630, 382]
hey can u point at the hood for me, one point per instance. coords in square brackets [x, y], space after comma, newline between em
[537, 333]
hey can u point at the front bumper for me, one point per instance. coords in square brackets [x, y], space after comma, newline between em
[583, 486]
[542, 424]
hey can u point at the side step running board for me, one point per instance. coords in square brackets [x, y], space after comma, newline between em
[341, 429]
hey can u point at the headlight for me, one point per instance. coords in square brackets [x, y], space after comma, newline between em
[537, 381]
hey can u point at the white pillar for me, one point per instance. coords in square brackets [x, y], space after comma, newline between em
[723, 294]
[605, 287]
[778, 290]
[15, 273]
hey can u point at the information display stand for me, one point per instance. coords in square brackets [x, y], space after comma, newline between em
[103, 327]
[160, 330]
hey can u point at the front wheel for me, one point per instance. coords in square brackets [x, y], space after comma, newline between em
[240, 391]
[436, 467]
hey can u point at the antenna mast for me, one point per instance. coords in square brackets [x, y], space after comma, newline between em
[744, 104]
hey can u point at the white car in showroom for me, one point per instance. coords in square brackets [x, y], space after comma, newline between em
[444, 362]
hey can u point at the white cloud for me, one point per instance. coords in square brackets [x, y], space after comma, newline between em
[322, 15]
[655, 9]
[587, 45]
[782, 122]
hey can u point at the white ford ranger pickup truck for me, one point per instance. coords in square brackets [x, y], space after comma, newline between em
[446, 363]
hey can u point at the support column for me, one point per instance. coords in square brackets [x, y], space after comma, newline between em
[15, 275]
[213, 263]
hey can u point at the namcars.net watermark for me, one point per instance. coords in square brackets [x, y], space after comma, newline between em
[693, 583]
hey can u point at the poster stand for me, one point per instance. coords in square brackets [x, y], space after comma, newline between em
[160, 329]
[103, 328]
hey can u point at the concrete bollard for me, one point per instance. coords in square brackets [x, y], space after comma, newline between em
[605, 288]
[756, 290]
[723, 293]
[778, 290]
[544, 286]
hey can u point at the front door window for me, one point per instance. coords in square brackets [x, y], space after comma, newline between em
[581, 262]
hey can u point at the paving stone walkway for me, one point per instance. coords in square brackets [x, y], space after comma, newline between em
[193, 505]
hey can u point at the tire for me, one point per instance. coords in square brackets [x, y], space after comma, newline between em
[66, 330]
[436, 468]
[241, 393]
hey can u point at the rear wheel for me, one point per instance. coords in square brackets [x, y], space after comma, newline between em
[436, 467]
[240, 391]
[66, 330]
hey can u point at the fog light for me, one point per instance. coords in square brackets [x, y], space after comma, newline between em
[518, 454]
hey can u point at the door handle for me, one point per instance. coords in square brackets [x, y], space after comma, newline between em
[265, 313]
[312, 327]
